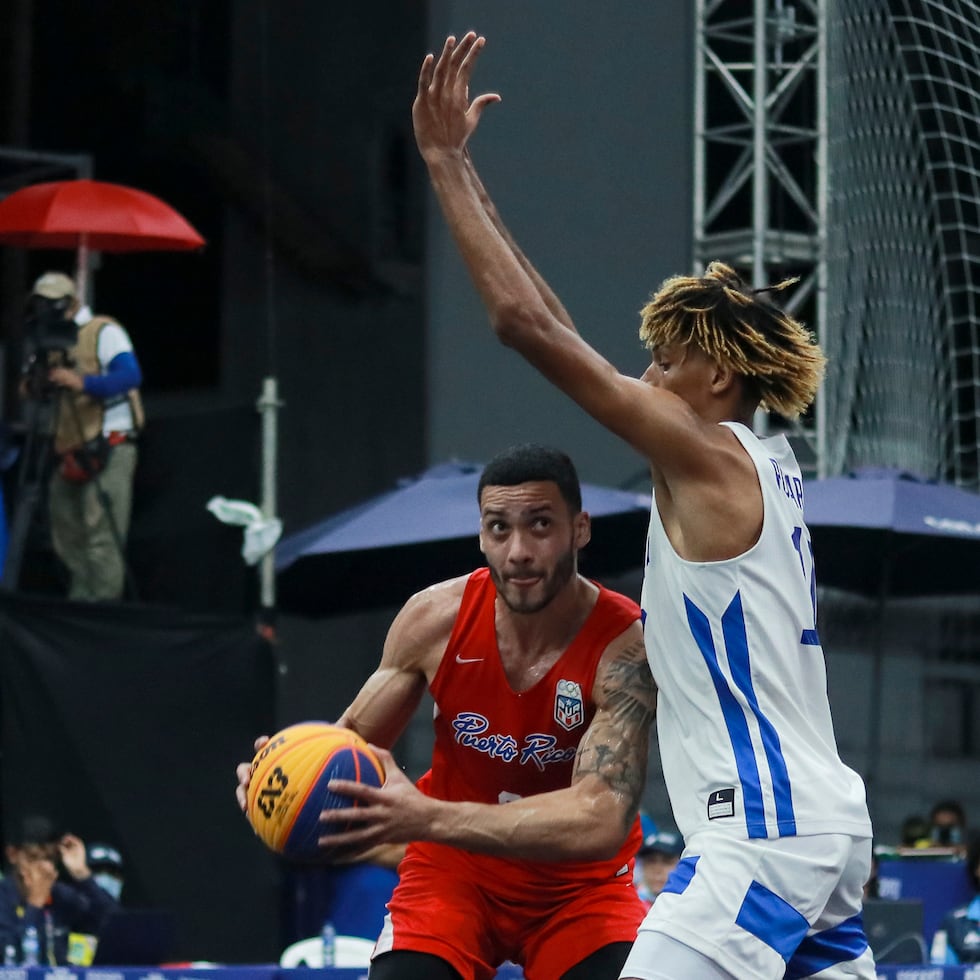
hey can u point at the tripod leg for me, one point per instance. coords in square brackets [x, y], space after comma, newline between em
[24, 511]
[32, 476]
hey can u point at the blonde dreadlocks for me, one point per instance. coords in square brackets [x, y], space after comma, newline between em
[734, 326]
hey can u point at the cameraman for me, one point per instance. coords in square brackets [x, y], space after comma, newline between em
[95, 382]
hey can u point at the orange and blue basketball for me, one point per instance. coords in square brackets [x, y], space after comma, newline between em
[287, 789]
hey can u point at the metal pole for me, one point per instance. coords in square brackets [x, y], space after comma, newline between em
[822, 186]
[268, 405]
[760, 174]
[700, 124]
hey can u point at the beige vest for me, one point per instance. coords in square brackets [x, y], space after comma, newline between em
[79, 415]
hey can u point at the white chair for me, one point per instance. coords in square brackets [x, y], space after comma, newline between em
[349, 951]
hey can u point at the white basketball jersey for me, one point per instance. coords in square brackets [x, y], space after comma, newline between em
[743, 718]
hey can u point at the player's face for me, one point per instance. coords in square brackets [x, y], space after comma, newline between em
[531, 542]
[682, 369]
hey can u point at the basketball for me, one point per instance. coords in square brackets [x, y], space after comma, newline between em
[287, 788]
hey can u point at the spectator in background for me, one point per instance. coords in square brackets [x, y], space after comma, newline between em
[947, 825]
[32, 895]
[658, 856]
[957, 940]
[915, 831]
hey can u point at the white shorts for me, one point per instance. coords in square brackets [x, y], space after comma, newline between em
[763, 909]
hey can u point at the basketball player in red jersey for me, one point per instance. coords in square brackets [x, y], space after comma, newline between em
[543, 703]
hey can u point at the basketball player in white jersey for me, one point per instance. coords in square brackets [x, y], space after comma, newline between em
[778, 839]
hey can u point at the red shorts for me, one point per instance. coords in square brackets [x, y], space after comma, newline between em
[469, 911]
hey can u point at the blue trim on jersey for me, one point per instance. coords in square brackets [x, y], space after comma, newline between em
[807, 637]
[681, 876]
[737, 645]
[772, 919]
[811, 638]
[738, 729]
[841, 944]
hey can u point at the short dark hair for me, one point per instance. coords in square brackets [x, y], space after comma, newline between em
[529, 462]
[34, 828]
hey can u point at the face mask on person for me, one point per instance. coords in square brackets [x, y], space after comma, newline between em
[109, 882]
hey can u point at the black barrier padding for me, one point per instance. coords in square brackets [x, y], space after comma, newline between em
[125, 723]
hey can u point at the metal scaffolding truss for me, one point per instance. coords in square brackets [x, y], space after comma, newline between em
[760, 193]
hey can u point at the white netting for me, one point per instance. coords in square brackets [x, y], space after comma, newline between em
[903, 236]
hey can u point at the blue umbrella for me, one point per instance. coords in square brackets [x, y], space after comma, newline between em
[377, 553]
[887, 532]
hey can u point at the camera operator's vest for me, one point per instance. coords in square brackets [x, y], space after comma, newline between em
[80, 416]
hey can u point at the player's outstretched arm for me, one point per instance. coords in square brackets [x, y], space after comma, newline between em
[587, 821]
[547, 294]
[524, 312]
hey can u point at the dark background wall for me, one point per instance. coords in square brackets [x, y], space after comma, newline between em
[124, 724]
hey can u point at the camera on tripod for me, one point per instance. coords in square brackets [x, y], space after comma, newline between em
[48, 336]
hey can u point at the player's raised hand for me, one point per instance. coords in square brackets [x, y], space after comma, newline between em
[442, 114]
[73, 856]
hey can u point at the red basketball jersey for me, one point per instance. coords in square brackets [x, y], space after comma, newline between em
[494, 745]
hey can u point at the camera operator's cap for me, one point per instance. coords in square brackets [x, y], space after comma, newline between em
[54, 285]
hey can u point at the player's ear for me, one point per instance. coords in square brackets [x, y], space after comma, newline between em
[722, 378]
[582, 529]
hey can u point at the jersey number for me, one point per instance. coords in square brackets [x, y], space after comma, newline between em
[809, 636]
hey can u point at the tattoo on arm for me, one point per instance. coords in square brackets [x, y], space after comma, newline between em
[616, 745]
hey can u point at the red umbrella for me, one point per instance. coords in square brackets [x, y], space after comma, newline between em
[92, 215]
[110, 217]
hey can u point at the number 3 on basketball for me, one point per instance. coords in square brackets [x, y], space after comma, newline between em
[272, 790]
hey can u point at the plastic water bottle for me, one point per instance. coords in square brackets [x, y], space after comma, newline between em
[10, 955]
[329, 937]
[30, 947]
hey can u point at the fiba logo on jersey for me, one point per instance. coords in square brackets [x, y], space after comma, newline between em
[568, 705]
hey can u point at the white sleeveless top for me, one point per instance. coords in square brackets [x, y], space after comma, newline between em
[743, 718]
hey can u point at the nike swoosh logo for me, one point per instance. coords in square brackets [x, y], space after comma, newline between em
[468, 660]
